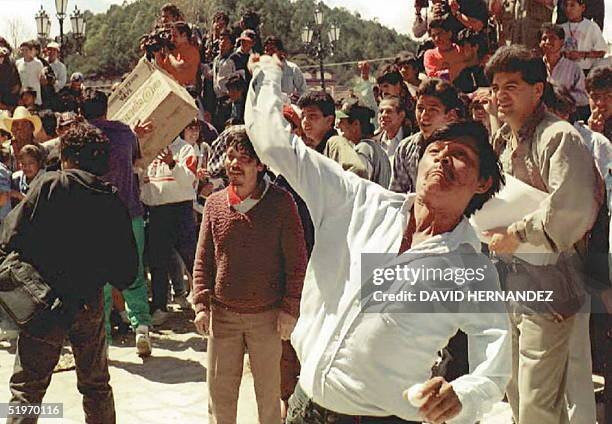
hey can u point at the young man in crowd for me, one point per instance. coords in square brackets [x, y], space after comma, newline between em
[223, 68]
[59, 69]
[438, 104]
[182, 62]
[97, 247]
[318, 119]
[247, 296]
[389, 83]
[293, 83]
[584, 42]
[30, 69]
[561, 70]
[348, 372]
[408, 66]
[241, 56]
[354, 123]
[123, 152]
[473, 48]
[168, 190]
[599, 89]
[546, 153]
[236, 93]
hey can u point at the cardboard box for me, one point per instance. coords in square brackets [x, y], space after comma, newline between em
[150, 94]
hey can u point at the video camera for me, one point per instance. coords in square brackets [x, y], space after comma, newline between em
[159, 39]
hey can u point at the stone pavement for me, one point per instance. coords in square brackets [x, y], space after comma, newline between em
[169, 387]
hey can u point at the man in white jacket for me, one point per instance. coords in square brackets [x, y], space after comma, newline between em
[168, 191]
[355, 365]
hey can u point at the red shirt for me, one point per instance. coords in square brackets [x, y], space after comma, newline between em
[437, 64]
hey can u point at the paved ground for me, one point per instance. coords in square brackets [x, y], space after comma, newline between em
[169, 387]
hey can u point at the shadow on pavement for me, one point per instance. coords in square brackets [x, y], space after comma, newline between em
[165, 369]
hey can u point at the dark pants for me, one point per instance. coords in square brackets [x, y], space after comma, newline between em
[302, 410]
[170, 226]
[38, 351]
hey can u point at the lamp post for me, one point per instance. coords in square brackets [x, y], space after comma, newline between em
[43, 25]
[60, 7]
[77, 19]
[313, 39]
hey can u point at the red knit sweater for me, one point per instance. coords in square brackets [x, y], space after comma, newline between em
[251, 262]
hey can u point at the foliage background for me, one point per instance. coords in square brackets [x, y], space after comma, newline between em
[111, 46]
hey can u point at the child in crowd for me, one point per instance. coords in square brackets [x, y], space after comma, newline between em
[27, 99]
[584, 42]
[408, 66]
[31, 162]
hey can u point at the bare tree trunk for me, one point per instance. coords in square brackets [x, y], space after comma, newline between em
[16, 33]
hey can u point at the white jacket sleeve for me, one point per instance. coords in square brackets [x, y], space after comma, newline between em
[322, 183]
[490, 361]
[186, 166]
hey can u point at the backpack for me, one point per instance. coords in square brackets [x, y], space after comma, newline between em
[24, 294]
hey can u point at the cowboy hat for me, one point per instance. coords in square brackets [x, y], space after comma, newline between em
[3, 114]
[22, 114]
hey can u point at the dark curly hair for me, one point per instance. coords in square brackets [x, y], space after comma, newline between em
[238, 138]
[87, 147]
[319, 99]
[488, 162]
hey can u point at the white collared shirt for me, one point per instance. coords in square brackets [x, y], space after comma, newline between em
[390, 145]
[351, 362]
[249, 203]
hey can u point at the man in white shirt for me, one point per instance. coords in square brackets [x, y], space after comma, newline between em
[391, 116]
[30, 69]
[59, 69]
[293, 83]
[356, 365]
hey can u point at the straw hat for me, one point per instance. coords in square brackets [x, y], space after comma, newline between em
[3, 114]
[22, 114]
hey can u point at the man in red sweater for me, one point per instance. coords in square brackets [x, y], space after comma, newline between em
[248, 275]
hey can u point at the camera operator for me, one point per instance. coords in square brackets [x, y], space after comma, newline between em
[471, 14]
[183, 61]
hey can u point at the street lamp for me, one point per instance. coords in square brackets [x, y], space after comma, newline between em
[314, 41]
[60, 7]
[307, 34]
[77, 19]
[334, 34]
[318, 13]
[43, 24]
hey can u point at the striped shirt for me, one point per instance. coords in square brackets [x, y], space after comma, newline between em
[405, 164]
[569, 75]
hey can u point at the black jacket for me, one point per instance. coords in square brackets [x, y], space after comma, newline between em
[76, 232]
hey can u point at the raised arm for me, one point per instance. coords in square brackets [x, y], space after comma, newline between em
[325, 187]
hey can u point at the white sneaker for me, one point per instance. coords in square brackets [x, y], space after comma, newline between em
[143, 341]
[159, 317]
[182, 301]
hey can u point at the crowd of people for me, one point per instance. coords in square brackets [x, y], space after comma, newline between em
[289, 186]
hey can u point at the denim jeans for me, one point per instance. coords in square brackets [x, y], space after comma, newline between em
[303, 410]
